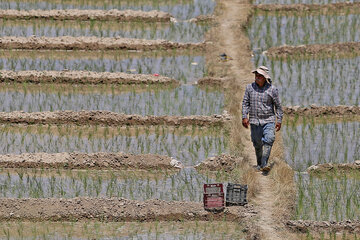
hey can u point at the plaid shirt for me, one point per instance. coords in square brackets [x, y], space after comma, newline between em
[259, 103]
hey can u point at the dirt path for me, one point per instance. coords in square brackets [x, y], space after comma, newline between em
[234, 42]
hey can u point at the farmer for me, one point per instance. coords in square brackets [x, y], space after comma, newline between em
[262, 104]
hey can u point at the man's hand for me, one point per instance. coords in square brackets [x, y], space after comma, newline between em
[245, 122]
[278, 126]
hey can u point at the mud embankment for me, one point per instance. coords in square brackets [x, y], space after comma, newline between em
[76, 14]
[100, 160]
[336, 49]
[107, 118]
[334, 167]
[324, 226]
[349, 7]
[114, 210]
[221, 162]
[316, 111]
[212, 81]
[83, 77]
[92, 43]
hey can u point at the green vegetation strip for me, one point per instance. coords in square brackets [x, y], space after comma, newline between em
[82, 77]
[336, 49]
[346, 7]
[76, 14]
[92, 43]
[114, 210]
[108, 119]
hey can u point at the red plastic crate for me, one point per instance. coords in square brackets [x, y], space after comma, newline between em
[214, 201]
[213, 188]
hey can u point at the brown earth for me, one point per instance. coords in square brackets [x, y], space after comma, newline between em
[92, 43]
[108, 119]
[348, 7]
[222, 162]
[83, 77]
[114, 210]
[305, 226]
[332, 50]
[100, 160]
[328, 167]
[76, 14]
[316, 111]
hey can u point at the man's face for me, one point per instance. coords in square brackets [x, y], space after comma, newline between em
[260, 79]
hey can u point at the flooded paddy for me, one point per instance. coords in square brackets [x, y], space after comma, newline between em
[306, 81]
[122, 230]
[267, 30]
[183, 66]
[333, 197]
[301, 1]
[185, 185]
[176, 32]
[188, 145]
[180, 9]
[142, 100]
[307, 142]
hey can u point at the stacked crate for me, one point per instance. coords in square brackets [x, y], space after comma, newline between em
[214, 197]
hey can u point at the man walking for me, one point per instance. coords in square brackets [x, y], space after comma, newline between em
[261, 102]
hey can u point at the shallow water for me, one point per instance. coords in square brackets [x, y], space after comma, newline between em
[189, 148]
[183, 100]
[324, 82]
[182, 9]
[267, 31]
[185, 68]
[329, 198]
[308, 144]
[177, 32]
[122, 230]
[185, 185]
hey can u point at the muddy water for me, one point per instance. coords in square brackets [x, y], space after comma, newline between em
[182, 9]
[186, 185]
[307, 143]
[185, 68]
[188, 148]
[267, 31]
[329, 198]
[324, 82]
[177, 32]
[132, 230]
[183, 100]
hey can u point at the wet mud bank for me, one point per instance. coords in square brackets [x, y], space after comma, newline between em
[332, 167]
[116, 161]
[316, 111]
[92, 43]
[336, 49]
[349, 7]
[114, 210]
[221, 162]
[77, 14]
[308, 226]
[107, 118]
[212, 81]
[83, 77]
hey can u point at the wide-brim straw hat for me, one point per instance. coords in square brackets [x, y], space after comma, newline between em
[263, 71]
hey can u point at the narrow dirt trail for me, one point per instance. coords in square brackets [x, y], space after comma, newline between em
[234, 42]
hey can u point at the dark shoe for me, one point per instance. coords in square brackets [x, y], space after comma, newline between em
[265, 169]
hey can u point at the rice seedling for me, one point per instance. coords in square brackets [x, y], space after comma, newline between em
[333, 197]
[175, 66]
[177, 32]
[308, 143]
[267, 31]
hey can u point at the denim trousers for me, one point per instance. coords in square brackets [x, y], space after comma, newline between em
[263, 137]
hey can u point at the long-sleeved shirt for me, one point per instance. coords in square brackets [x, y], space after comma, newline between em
[261, 104]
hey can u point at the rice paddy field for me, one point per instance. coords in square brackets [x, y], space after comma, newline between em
[315, 80]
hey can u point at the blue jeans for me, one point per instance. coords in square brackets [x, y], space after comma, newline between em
[263, 137]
